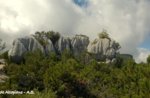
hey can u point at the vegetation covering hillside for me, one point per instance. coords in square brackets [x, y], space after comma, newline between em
[67, 76]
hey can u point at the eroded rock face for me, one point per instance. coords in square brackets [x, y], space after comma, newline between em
[79, 44]
[63, 44]
[17, 51]
[49, 47]
[103, 48]
[21, 46]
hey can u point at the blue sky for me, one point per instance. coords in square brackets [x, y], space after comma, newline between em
[81, 3]
[146, 43]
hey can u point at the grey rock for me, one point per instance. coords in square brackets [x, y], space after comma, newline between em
[108, 61]
[79, 44]
[16, 52]
[31, 44]
[2, 61]
[21, 46]
[63, 44]
[114, 60]
[3, 78]
[49, 48]
[103, 48]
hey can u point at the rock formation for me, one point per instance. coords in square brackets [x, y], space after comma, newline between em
[48, 47]
[22, 45]
[79, 44]
[63, 44]
[103, 48]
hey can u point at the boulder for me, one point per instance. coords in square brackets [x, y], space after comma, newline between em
[21, 46]
[103, 48]
[2, 61]
[63, 44]
[79, 44]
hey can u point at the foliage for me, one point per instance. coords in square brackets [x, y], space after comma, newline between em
[116, 46]
[68, 77]
[37, 94]
[4, 55]
[40, 36]
[53, 36]
[148, 59]
[104, 34]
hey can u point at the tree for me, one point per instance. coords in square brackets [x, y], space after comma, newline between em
[148, 59]
[53, 36]
[116, 46]
[104, 34]
[40, 37]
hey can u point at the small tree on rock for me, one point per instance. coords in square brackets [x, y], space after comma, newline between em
[103, 34]
[53, 36]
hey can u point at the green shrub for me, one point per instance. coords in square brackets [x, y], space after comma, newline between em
[55, 77]
[103, 34]
[148, 59]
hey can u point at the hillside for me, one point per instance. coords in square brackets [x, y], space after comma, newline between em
[57, 67]
[102, 49]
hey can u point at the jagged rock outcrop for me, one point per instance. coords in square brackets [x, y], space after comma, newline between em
[48, 47]
[21, 46]
[103, 48]
[79, 44]
[63, 44]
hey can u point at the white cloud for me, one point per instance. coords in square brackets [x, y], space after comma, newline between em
[127, 21]
[23, 17]
[142, 55]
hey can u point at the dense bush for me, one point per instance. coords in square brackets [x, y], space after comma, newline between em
[67, 77]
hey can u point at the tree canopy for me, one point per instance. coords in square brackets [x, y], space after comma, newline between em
[103, 34]
[65, 76]
[53, 36]
[68, 77]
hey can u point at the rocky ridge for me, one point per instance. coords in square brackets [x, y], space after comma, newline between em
[101, 48]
